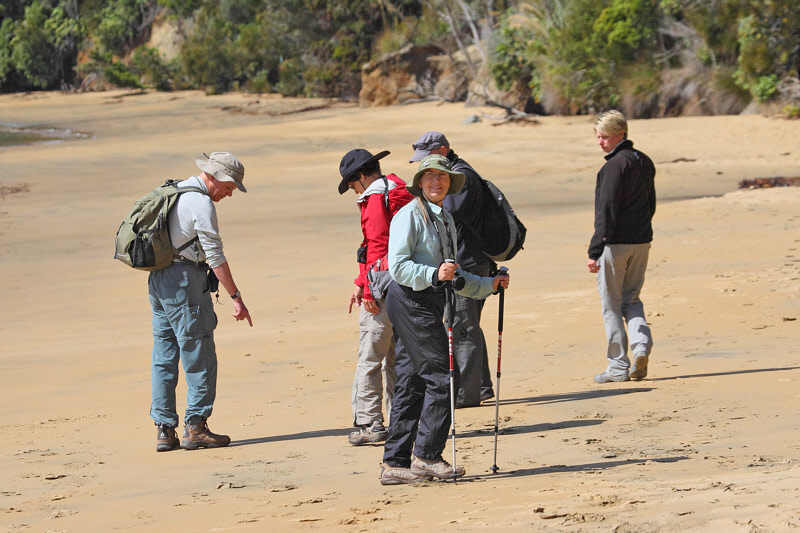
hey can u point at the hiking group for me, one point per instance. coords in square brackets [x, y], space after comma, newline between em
[428, 259]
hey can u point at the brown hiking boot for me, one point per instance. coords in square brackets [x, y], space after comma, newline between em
[639, 366]
[199, 436]
[167, 439]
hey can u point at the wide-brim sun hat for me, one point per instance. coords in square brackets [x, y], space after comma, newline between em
[223, 167]
[352, 163]
[438, 162]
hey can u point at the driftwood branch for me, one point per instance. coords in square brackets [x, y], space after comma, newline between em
[511, 112]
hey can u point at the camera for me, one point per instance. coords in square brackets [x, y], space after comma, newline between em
[361, 255]
[458, 280]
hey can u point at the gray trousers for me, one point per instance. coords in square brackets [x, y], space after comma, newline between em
[469, 349]
[376, 354]
[619, 281]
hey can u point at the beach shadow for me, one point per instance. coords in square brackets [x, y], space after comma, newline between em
[534, 428]
[573, 396]
[294, 436]
[731, 373]
[573, 468]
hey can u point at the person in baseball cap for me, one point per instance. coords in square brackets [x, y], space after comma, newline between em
[432, 140]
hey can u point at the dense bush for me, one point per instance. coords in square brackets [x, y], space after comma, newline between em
[587, 55]
[38, 43]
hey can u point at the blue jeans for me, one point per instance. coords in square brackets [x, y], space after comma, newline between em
[183, 330]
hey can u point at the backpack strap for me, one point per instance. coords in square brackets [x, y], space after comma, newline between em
[181, 190]
[432, 220]
[386, 195]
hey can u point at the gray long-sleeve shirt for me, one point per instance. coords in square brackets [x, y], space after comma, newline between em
[194, 214]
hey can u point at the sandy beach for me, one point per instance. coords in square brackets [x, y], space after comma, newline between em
[710, 441]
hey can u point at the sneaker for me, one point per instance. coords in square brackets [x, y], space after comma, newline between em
[605, 378]
[639, 366]
[199, 436]
[167, 439]
[487, 395]
[438, 467]
[397, 475]
[368, 434]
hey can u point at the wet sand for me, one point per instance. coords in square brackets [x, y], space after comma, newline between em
[708, 442]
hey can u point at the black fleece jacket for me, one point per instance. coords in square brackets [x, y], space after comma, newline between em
[466, 206]
[624, 199]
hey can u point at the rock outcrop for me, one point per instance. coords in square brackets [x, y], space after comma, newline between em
[420, 72]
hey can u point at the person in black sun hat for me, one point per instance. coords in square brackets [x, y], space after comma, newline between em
[379, 198]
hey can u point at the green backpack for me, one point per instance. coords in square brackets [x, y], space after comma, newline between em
[143, 237]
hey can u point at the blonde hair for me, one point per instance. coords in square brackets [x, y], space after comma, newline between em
[422, 209]
[612, 123]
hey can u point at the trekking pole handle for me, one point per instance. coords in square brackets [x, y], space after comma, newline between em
[501, 271]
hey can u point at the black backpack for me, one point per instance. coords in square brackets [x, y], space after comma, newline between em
[503, 234]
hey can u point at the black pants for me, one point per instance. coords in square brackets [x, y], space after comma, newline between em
[469, 350]
[420, 418]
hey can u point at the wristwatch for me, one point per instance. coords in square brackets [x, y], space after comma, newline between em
[236, 294]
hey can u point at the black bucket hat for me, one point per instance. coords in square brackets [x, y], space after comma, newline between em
[352, 163]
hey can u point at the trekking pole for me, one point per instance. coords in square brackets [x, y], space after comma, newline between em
[450, 311]
[503, 270]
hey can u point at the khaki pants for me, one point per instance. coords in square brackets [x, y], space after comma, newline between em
[619, 281]
[375, 367]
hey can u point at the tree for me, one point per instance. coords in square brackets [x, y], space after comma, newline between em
[43, 44]
[768, 46]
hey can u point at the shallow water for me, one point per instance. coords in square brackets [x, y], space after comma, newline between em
[11, 135]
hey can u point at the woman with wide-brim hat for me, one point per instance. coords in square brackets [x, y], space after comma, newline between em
[421, 238]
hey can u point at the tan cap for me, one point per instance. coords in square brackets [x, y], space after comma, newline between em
[224, 167]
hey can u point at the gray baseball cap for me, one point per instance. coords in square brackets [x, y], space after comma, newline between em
[430, 141]
[224, 167]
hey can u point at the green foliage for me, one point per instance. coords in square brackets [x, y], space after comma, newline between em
[768, 46]
[511, 60]
[587, 53]
[208, 56]
[765, 87]
[715, 21]
[259, 83]
[119, 74]
[31, 50]
[626, 27]
[576, 66]
[7, 30]
[291, 80]
[791, 111]
[118, 24]
[151, 69]
[181, 8]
